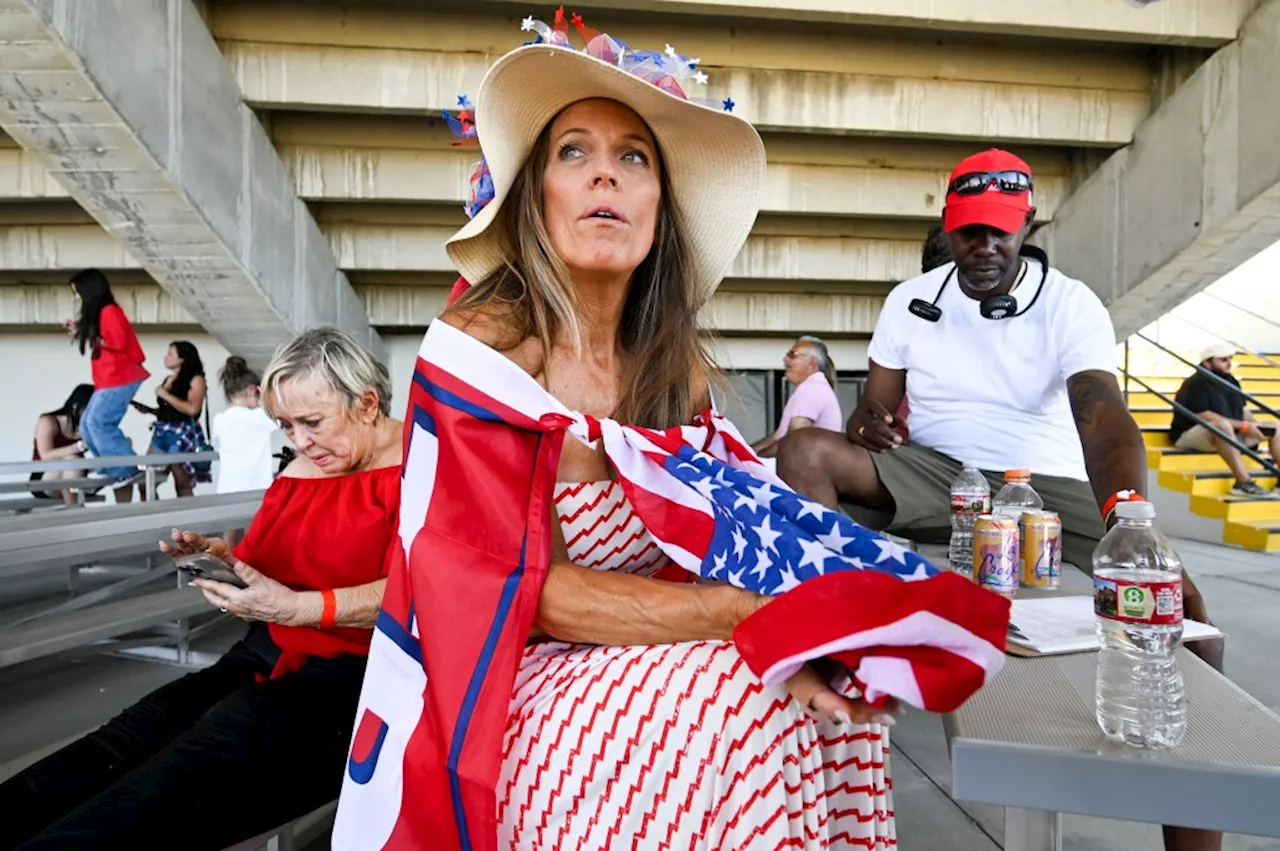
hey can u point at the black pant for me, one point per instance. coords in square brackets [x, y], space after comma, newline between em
[204, 762]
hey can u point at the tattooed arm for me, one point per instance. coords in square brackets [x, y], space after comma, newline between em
[1114, 454]
[1116, 459]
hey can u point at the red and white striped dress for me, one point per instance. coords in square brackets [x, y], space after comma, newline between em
[673, 746]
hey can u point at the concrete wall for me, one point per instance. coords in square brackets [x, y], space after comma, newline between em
[864, 106]
[1194, 196]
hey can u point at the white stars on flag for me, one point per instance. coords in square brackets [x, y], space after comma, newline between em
[767, 534]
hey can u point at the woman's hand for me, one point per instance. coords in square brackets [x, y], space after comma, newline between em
[816, 695]
[70, 325]
[263, 600]
[188, 543]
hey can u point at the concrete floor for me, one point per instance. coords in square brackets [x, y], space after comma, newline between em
[45, 702]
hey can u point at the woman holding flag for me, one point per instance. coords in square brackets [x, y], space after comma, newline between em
[578, 648]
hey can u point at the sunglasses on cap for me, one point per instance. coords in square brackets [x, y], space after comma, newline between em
[977, 182]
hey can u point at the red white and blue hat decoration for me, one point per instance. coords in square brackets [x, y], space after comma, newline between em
[713, 158]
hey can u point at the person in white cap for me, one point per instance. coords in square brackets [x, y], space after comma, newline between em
[1217, 405]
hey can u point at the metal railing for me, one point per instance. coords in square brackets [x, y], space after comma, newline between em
[1244, 310]
[1266, 462]
[1238, 347]
[1230, 386]
[149, 463]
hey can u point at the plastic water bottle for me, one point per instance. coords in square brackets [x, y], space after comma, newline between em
[970, 499]
[1017, 496]
[1137, 597]
[1015, 499]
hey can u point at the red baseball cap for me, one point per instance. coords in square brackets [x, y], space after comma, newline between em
[1006, 211]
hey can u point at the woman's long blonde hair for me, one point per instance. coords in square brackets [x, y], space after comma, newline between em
[665, 379]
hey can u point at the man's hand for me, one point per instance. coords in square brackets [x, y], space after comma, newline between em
[872, 427]
[1251, 432]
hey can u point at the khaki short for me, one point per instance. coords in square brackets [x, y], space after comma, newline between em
[919, 479]
[1200, 439]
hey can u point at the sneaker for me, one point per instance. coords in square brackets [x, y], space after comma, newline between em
[1253, 489]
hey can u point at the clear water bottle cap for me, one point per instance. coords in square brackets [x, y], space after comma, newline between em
[1135, 511]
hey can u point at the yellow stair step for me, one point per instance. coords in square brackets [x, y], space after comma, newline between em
[1263, 386]
[1159, 458]
[1261, 535]
[1236, 509]
[1259, 371]
[1139, 398]
[1157, 417]
[1254, 360]
[1199, 483]
[1156, 437]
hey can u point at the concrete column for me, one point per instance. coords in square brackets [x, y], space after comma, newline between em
[131, 106]
[1194, 196]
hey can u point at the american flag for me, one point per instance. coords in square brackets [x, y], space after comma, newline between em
[482, 445]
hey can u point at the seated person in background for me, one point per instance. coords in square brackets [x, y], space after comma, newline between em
[58, 439]
[260, 737]
[1223, 409]
[812, 373]
[1035, 389]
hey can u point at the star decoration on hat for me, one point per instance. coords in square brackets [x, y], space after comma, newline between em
[700, 78]
[527, 24]
[464, 101]
[729, 104]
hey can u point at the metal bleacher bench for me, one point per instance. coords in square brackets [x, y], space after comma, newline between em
[36, 544]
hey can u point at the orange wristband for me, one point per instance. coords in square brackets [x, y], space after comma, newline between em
[1118, 497]
[329, 610]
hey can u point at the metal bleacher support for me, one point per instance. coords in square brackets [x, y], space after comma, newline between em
[31, 545]
[150, 464]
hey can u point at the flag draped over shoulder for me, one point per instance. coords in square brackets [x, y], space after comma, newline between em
[482, 445]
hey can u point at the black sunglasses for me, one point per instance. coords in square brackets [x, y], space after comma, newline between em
[977, 182]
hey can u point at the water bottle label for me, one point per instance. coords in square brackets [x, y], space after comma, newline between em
[963, 503]
[1158, 603]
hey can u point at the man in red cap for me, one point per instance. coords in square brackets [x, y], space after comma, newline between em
[1008, 363]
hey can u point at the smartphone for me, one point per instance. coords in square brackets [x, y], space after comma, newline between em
[205, 566]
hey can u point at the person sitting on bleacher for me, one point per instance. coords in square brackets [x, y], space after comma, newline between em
[58, 439]
[1222, 408]
[260, 737]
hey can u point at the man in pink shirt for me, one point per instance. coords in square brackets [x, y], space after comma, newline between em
[813, 374]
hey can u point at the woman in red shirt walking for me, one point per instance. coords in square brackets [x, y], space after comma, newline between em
[116, 358]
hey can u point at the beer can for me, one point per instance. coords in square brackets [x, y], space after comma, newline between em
[1041, 550]
[995, 554]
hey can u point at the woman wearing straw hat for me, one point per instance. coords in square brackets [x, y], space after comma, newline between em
[577, 690]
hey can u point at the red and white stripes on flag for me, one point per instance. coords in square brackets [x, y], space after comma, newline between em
[482, 447]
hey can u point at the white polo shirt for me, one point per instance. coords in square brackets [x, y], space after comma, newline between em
[994, 392]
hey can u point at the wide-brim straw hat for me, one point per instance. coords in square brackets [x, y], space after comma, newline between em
[714, 160]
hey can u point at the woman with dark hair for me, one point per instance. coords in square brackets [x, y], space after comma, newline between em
[180, 398]
[116, 357]
[57, 439]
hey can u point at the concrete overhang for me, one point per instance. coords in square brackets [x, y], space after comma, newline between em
[1204, 23]
[44, 306]
[277, 76]
[1194, 196]
[155, 144]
